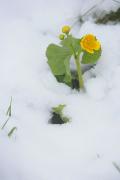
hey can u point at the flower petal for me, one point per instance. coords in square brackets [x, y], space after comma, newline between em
[89, 43]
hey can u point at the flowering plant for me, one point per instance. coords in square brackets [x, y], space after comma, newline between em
[85, 50]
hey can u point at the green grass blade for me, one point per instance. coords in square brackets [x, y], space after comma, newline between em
[11, 131]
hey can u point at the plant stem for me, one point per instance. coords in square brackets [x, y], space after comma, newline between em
[79, 71]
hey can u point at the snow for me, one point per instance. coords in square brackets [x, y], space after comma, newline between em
[86, 147]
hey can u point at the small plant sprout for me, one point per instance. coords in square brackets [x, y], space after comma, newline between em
[85, 50]
[57, 115]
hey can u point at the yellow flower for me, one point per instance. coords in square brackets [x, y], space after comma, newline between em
[89, 43]
[66, 29]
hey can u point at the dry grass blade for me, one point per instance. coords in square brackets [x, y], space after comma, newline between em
[116, 166]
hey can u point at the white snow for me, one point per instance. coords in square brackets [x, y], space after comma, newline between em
[86, 147]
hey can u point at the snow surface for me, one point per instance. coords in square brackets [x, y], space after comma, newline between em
[86, 147]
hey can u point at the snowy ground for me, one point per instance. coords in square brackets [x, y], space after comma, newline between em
[84, 149]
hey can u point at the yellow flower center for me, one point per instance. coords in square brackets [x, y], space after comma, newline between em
[89, 43]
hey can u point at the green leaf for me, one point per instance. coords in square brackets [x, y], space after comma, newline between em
[88, 58]
[60, 78]
[68, 77]
[59, 61]
[56, 56]
[58, 109]
[59, 58]
[72, 43]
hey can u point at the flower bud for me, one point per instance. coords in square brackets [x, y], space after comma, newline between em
[66, 29]
[61, 36]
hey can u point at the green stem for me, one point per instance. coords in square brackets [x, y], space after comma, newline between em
[79, 71]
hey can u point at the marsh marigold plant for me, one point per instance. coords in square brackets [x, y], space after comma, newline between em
[85, 50]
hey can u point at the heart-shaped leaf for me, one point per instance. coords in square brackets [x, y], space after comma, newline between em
[88, 58]
[59, 61]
